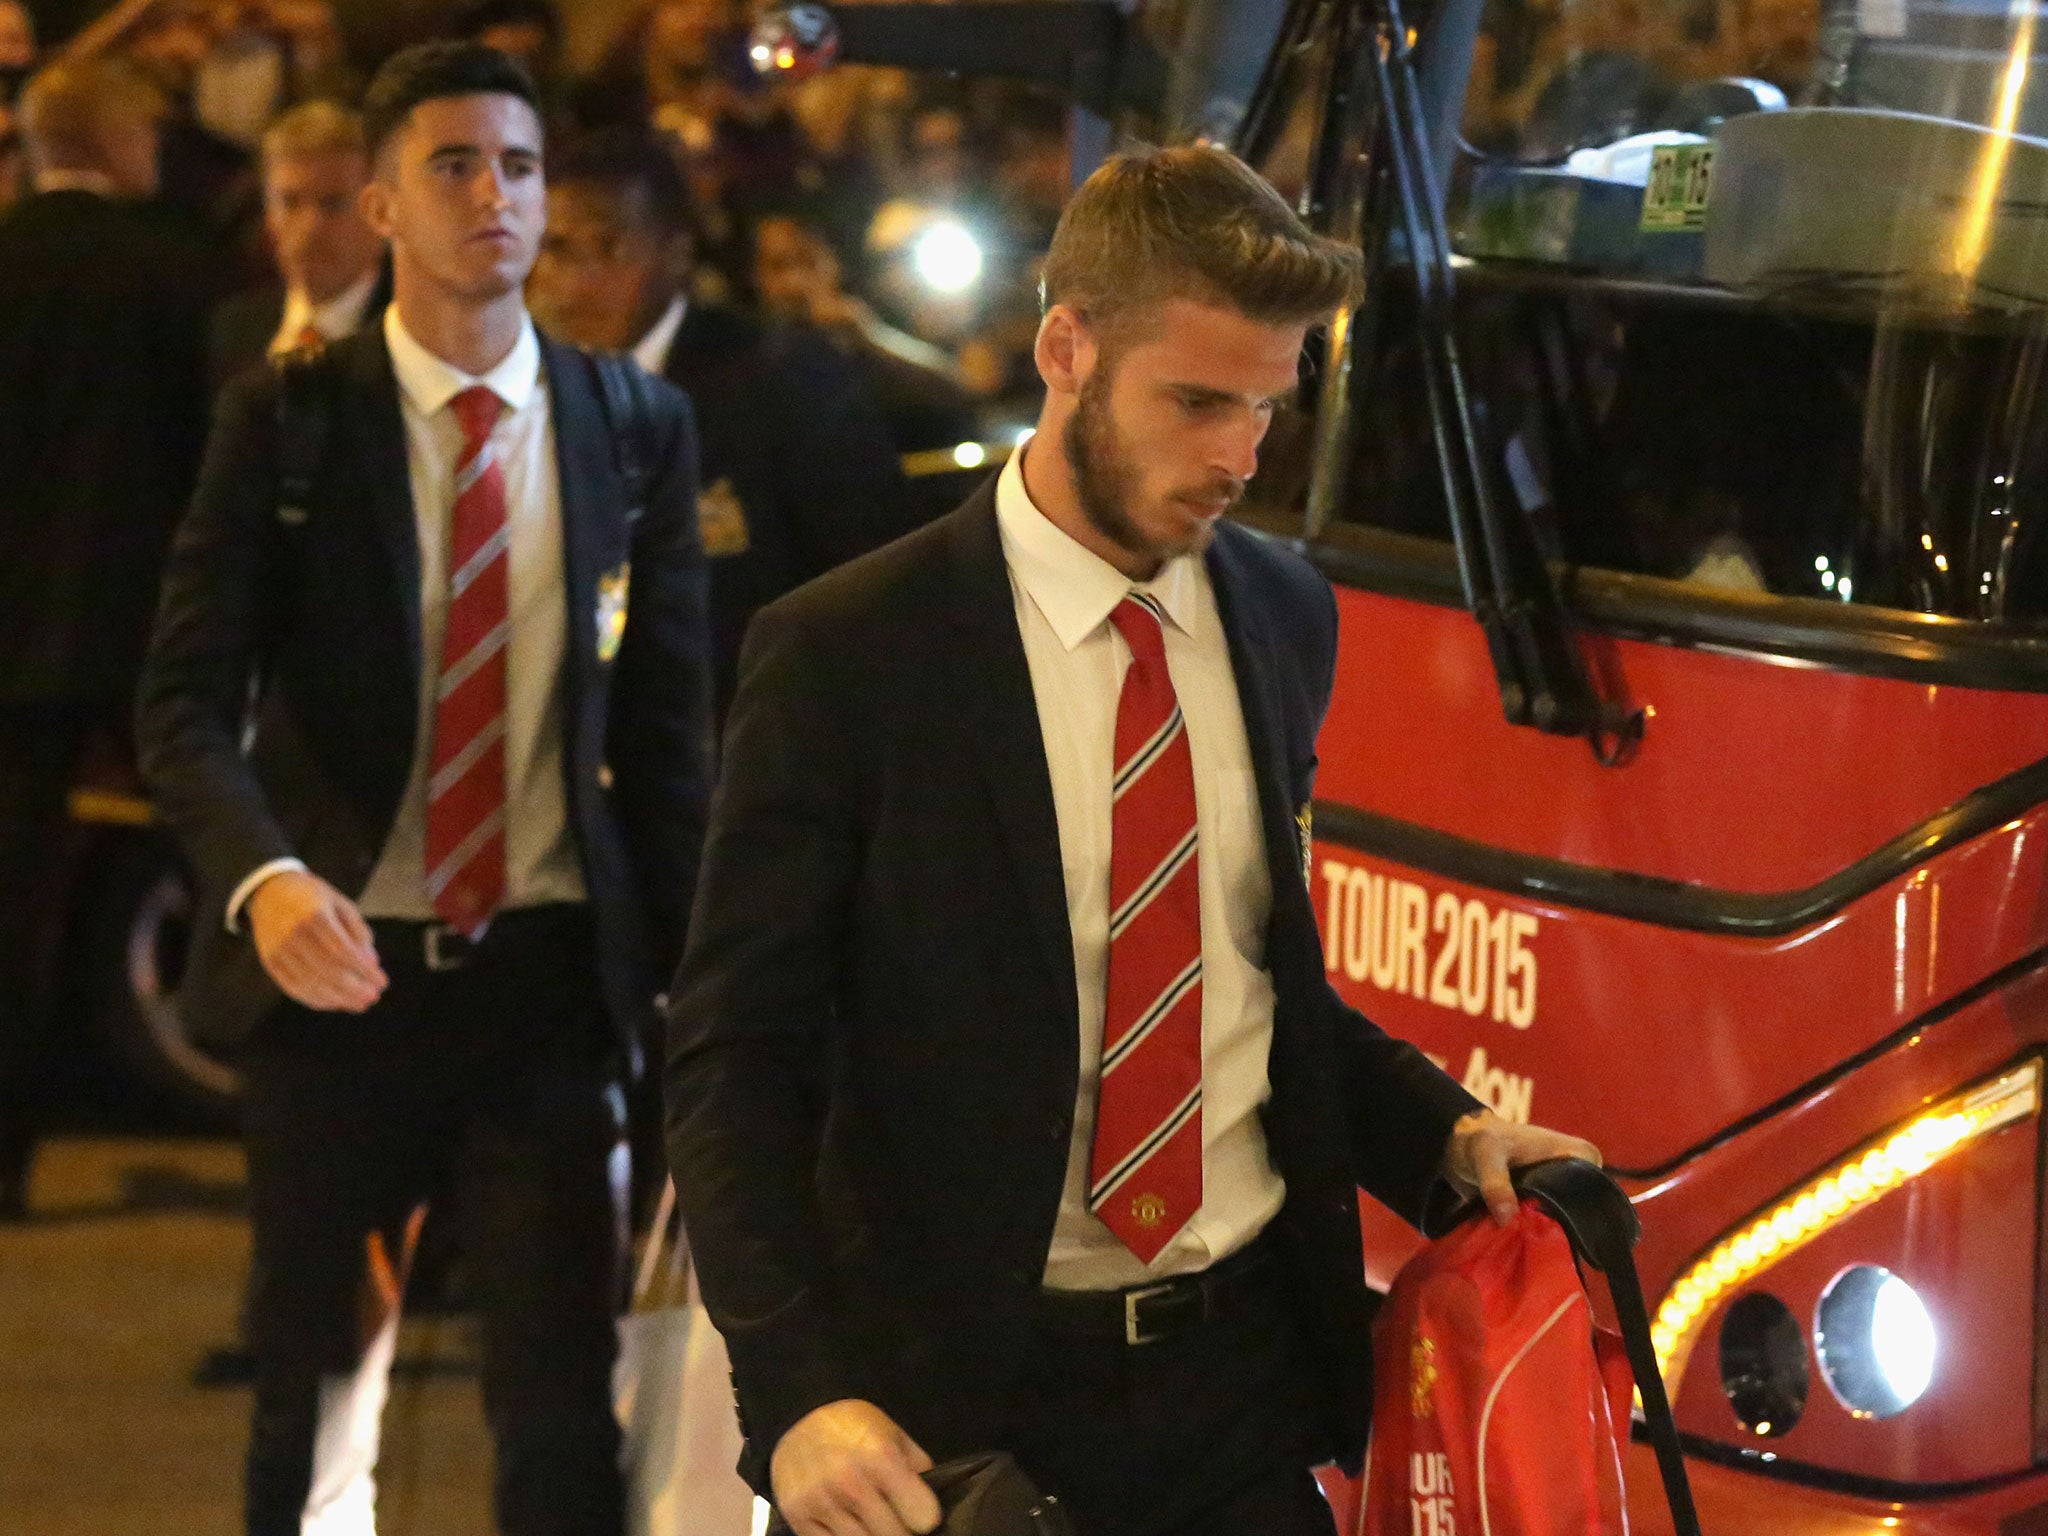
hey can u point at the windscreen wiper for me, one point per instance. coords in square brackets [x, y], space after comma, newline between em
[1537, 661]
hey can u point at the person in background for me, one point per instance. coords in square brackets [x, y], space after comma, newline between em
[798, 279]
[205, 176]
[315, 166]
[17, 48]
[799, 474]
[1010, 1104]
[682, 68]
[528, 30]
[13, 160]
[447, 849]
[103, 303]
[17, 63]
[798, 471]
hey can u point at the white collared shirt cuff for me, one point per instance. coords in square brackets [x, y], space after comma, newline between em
[247, 888]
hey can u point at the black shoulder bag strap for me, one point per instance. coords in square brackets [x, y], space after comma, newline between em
[304, 417]
[622, 394]
[304, 421]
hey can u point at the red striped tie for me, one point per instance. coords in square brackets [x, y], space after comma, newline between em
[1145, 1177]
[466, 795]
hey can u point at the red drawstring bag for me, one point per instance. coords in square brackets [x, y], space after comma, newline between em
[1498, 1408]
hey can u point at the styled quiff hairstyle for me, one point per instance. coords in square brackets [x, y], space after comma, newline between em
[431, 71]
[1193, 222]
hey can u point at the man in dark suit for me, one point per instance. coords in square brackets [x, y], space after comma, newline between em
[1009, 1104]
[462, 841]
[799, 473]
[102, 416]
[315, 166]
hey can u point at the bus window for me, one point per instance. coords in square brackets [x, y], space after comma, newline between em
[1752, 294]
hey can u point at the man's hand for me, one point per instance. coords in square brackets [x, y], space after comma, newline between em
[1484, 1148]
[314, 943]
[846, 1469]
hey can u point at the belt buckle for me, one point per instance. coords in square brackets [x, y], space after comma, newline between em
[451, 958]
[1133, 1333]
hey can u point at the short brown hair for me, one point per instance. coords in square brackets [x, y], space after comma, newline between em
[63, 107]
[315, 128]
[1191, 222]
[432, 71]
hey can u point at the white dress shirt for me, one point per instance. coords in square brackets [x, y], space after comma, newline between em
[340, 316]
[651, 351]
[1064, 595]
[541, 863]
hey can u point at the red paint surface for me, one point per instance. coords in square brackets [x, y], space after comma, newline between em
[1721, 1061]
[1753, 776]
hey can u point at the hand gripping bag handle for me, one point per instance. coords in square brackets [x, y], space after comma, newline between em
[1603, 1227]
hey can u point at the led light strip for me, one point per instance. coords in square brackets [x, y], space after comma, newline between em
[1830, 1196]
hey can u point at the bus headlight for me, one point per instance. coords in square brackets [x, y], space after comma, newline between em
[1875, 1340]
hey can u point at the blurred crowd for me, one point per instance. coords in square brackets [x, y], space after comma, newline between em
[841, 267]
[899, 216]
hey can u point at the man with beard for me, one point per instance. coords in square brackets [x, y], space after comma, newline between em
[1010, 1106]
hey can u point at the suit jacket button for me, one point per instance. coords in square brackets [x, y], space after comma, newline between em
[1056, 1130]
[604, 775]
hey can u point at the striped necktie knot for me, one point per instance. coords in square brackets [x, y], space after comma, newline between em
[477, 408]
[1137, 619]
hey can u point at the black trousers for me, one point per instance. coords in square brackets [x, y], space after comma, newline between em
[496, 1081]
[38, 751]
[1210, 1432]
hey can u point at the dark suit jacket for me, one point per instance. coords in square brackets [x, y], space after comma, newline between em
[790, 434]
[327, 614]
[102, 418]
[873, 1037]
[240, 330]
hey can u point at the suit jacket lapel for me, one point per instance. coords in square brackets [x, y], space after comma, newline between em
[586, 471]
[995, 702]
[1251, 658]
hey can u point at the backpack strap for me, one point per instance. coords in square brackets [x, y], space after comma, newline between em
[304, 419]
[305, 416]
[624, 396]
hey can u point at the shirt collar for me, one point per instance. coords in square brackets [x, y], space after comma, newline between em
[429, 382]
[651, 351]
[340, 316]
[1075, 588]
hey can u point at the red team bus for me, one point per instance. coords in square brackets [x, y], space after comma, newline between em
[1682, 480]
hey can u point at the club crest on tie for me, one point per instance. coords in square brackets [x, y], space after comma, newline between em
[722, 519]
[611, 610]
[1148, 1211]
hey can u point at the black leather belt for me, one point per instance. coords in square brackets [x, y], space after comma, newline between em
[435, 946]
[1146, 1314]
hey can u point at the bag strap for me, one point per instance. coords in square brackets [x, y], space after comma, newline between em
[622, 394]
[305, 416]
[1603, 1227]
